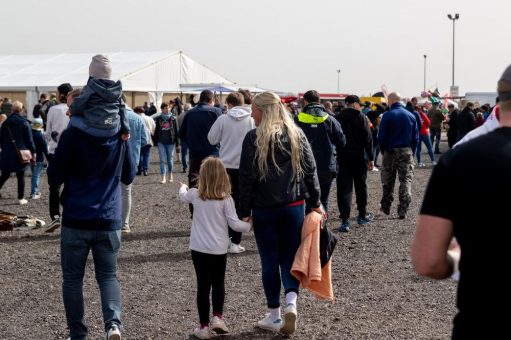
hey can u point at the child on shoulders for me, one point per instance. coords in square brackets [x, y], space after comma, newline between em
[213, 212]
[99, 110]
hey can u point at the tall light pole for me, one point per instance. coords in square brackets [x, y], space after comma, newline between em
[425, 57]
[453, 18]
[338, 81]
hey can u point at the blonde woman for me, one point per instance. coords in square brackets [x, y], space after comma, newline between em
[277, 175]
[213, 211]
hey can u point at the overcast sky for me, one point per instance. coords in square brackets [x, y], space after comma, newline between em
[287, 45]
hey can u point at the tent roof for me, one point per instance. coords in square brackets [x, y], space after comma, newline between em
[139, 71]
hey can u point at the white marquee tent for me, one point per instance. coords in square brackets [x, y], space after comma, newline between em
[153, 72]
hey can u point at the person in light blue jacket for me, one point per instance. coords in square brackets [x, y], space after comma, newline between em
[138, 138]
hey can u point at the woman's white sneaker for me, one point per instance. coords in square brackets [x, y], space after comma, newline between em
[270, 325]
[290, 315]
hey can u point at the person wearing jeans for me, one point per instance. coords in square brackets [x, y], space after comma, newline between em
[277, 244]
[166, 154]
[41, 149]
[91, 221]
[424, 137]
[277, 169]
[75, 245]
[145, 149]
[166, 139]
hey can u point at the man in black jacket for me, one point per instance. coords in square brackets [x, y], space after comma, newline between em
[324, 134]
[194, 132]
[354, 161]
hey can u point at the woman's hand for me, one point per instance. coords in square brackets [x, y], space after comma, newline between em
[321, 211]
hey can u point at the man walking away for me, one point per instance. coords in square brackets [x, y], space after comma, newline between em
[354, 161]
[398, 138]
[325, 135]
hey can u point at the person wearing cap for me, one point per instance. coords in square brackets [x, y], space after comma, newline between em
[57, 121]
[325, 135]
[398, 138]
[100, 110]
[15, 129]
[452, 207]
[354, 160]
[41, 151]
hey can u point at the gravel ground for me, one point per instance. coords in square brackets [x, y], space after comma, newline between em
[378, 295]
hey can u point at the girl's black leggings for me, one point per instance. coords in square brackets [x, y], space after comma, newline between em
[210, 272]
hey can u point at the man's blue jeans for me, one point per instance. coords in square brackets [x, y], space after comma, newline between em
[75, 245]
[166, 153]
[278, 235]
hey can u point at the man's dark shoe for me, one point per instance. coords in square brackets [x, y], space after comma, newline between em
[385, 211]
[145, 172]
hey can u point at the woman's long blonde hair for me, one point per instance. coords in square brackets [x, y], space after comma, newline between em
[275, 124]
[214, 182]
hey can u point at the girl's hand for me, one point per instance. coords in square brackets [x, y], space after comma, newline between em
[183, 185]
[249, 220]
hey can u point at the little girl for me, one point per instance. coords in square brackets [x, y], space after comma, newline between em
[213, 211]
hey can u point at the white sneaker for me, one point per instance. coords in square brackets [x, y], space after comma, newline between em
[290, 315]
[113, 333]
[163, 179]
[375, 169]
[202, 333]
[434, 163]
[218, 326]
[35, 196]
[23, 201]
[171, 177]
[269, 325]
[126, 230]
[235, 248]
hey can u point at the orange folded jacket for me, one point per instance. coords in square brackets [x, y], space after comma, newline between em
[307, 264]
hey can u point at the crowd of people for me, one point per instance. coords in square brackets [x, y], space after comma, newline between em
[257, 165]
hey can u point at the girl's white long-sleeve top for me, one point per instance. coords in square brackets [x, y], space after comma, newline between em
[209, 232]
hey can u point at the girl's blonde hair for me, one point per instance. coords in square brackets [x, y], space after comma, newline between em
[214, 182]
[276, 123]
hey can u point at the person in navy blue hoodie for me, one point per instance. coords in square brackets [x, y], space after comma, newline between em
[91, 168]
[194, 132]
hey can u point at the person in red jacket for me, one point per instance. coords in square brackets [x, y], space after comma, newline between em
[424, 138]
